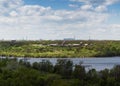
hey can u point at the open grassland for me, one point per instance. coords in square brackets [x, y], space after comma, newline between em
[60, 48]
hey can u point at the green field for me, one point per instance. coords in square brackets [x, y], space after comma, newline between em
[60, 48]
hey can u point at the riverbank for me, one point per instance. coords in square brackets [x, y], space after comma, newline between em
[44, 73]
[60, 49]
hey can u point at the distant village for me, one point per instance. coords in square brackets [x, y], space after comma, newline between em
[66, 43]
[63, 43]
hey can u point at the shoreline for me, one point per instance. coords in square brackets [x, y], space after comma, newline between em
[60, 57]
[52, 49]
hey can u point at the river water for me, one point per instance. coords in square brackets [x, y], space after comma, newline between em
[89, 63]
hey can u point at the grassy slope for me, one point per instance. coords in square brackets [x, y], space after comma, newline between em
[41, 49]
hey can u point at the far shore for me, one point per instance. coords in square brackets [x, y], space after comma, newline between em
[60, 48]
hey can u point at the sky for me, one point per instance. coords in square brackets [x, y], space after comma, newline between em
[59, 19]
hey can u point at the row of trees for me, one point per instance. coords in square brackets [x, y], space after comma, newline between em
[63, 73]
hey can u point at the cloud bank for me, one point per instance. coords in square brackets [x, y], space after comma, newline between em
[21, 21]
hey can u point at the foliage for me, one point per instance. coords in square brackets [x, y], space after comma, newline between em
[44, 49]
[15, 72]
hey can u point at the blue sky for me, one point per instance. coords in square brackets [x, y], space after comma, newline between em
[64, 4]
[59, 19]
[55, 4]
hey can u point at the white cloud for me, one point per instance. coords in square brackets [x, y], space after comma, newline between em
[109, 2]
[36, 22]
[35, 10]
[97, 2]
[13, 13]
[8, 5]
[93, 2]
[86, 7]
[73, 5]
[101, 8]
[99, 5]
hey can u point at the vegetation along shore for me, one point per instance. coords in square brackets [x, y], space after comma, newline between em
[44, 73]
[60, 48]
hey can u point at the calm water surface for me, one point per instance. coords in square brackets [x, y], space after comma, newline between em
[89, 63]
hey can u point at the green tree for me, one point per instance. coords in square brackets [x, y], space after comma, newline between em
[79, 72]
[64, 67]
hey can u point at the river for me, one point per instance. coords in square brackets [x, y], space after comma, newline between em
[97, 63]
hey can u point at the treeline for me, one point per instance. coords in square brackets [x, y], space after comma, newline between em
[63, 73]
[68, 49]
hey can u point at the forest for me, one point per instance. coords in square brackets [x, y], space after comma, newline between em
[14, 72]
[60, 48]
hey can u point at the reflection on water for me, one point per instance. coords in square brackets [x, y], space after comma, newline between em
[89, 63]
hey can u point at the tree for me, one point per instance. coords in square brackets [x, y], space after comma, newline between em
[64, 67]
[79, 72]
[46, 66]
